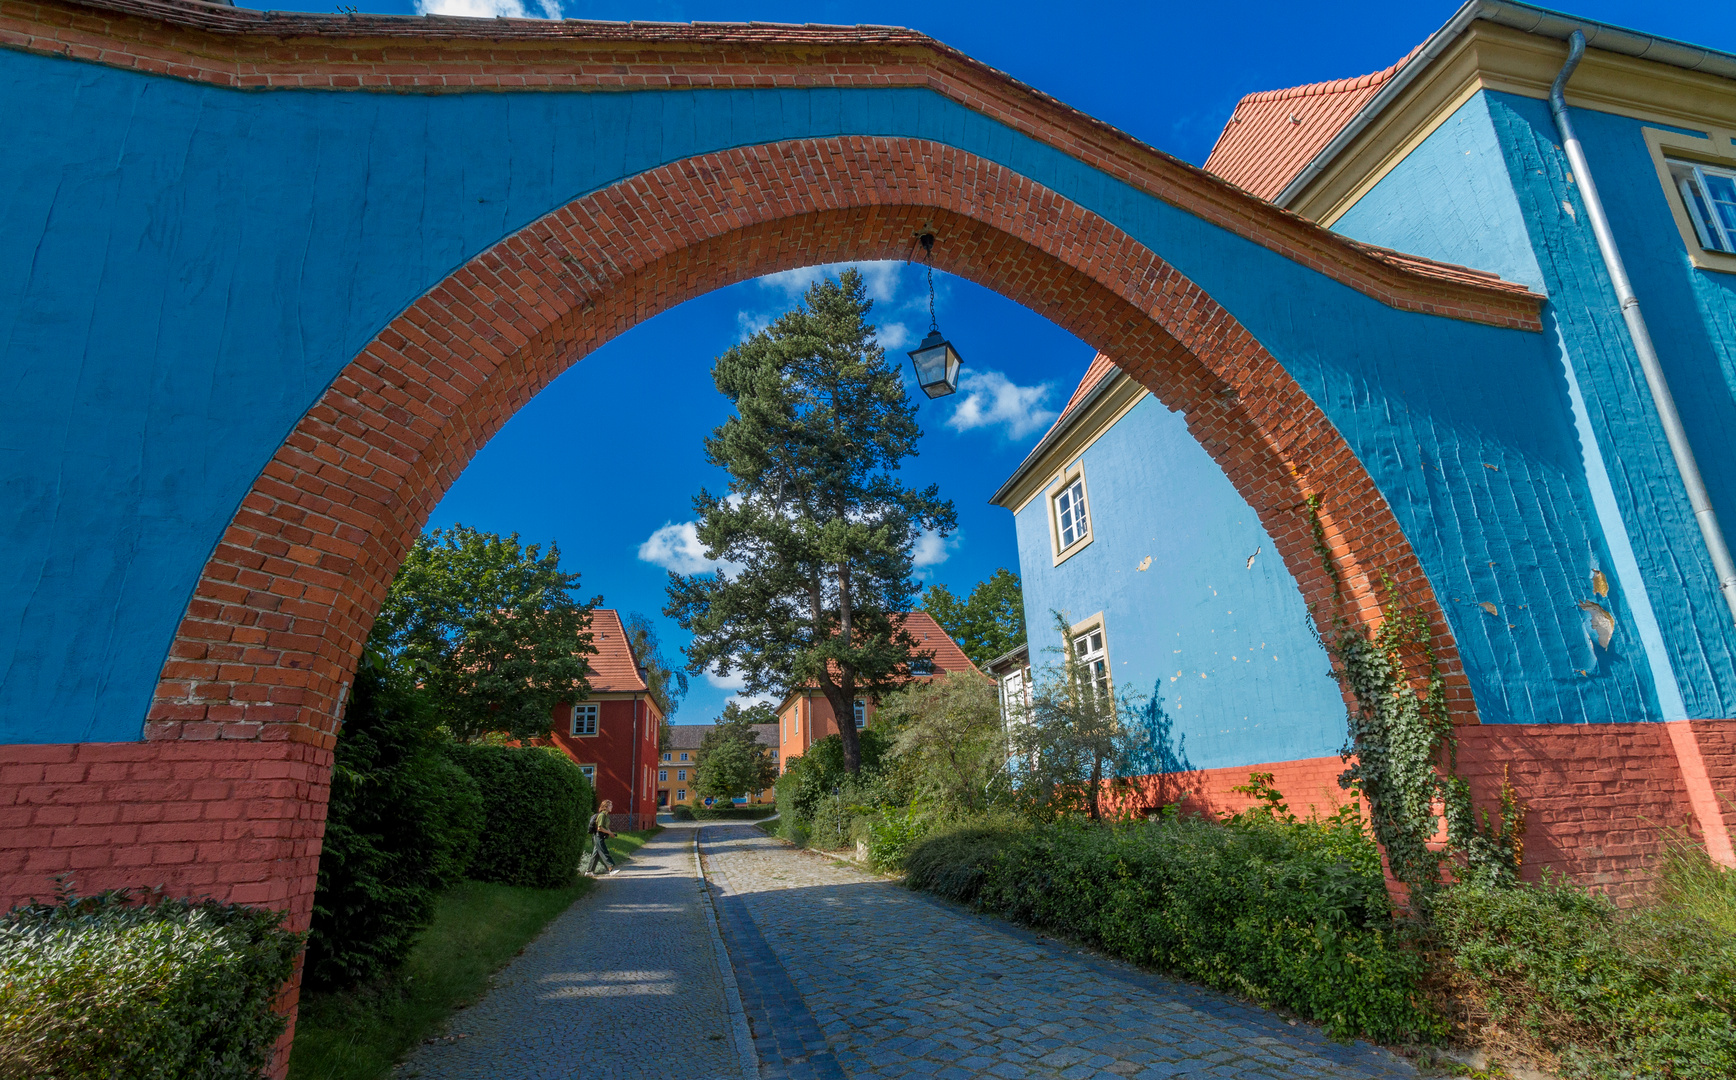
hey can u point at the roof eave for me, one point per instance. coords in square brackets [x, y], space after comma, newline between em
[1522, 17]
[1054, 435]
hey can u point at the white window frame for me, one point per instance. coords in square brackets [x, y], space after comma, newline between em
[859, 712]
[1069, 501]
[1094, 655]
[584, 720]
[1710, 229]
[1016, 696]
[1679, 155]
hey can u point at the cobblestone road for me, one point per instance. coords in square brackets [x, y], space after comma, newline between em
[846, 975]
[624, 985]
[833, 974]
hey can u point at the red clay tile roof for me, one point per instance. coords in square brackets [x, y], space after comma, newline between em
[947, 655]
[1273, 135]
[1100, 368]
[613, 669]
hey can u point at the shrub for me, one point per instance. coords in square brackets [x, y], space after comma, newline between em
[733, 813]
[891, 834]
[682, 813]
[1288, 913]
[101, 986]
[812, 778]
[1650, 992]
[536, 803]
[401, 826]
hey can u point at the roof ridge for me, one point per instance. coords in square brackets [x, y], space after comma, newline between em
[1329, 86]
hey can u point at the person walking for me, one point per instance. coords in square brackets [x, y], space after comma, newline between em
[600, 833]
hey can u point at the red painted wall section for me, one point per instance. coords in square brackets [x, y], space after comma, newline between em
[1600, 798]
[624, 750]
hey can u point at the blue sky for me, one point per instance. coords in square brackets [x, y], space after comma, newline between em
[607, 459]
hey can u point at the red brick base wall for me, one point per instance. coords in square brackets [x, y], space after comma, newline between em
[1599, 798]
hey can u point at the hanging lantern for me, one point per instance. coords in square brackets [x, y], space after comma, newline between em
[936, 361]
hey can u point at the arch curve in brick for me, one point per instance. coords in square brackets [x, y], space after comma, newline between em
[271, 636]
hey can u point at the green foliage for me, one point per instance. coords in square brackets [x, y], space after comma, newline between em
[732, 761]
[682, 813]
[1651, 992]
[988, 625]
[1401, 735]
[491, 629]
[536, 803]
[950, 746]
[1076, 735]
[891, 835]
[817, 531]
[1285, 912]
[401, 826]
[732, 813]
[821, 774]
[104, 987]
[668, 683]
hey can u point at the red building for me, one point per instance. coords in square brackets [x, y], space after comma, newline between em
[612, 734]
[805, 716]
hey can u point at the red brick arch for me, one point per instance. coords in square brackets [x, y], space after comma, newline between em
[278, 618]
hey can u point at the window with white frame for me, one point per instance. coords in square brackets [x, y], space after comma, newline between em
[663, 775]
[861, 713]
[1016, 695]
[1072, 521]
[1088, 646]
[1709, 193]
[584, 720]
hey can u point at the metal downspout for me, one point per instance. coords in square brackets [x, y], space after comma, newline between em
[1662, 399]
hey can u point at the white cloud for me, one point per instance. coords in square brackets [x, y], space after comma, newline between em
[676, 547]
[882, 278]
[751, 323]
[733, 681]
[894, 336]
[992, 399]
[932, 549]
[491, 9]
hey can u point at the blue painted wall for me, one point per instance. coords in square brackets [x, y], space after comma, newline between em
[1224, 648]
[183, 269]
[1491, 188]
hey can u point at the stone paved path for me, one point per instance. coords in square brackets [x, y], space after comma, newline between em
[834, 974]
[862, 978]
[625, 984]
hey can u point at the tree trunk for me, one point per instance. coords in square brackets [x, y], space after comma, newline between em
[1096, 787]
[846, 681]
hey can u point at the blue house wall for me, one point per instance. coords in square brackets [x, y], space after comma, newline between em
[1491, 188]
[1213, 631]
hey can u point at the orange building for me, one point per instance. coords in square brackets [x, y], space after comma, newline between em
[805, 716]
[678, 771]
[612, 734]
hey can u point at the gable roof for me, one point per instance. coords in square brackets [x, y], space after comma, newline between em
[1259, 155]
[613, 669]
[689, 736]
[1274, 134]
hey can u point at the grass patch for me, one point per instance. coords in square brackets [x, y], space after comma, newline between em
[360, 1033]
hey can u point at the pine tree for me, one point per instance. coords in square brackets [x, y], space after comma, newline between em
[818, 529]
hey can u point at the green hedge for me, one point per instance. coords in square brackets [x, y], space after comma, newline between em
[1286, 913]
[402, 825]
[536, 803]
[733, 813]
[100, 986]
[1651, 992]
[682, 813]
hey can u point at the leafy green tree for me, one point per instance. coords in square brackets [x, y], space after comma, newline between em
[990, 624]
[732, 760]
[668, 683]
[1077, 734]
[817, 529]
[950, 745]
[491, 629]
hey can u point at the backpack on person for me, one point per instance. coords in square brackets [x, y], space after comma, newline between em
[591, 829]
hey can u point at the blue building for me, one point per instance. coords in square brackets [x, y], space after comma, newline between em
[1452, 154]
